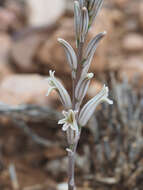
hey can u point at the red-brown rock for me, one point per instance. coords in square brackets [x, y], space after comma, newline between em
[22, 89]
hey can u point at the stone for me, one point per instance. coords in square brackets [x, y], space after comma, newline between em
[62, 186]
[5, 46]
[94, 88]
[100, 62]
[44, 12]
[26, 89]
[121, 3]
[132, 69]
[54, 153]
[6, 19]
[23, 52]
[133, 42]
[51, 53]
[57, 166]
[141, 14]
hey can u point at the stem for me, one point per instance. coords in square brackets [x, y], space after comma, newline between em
[71, 167]
[71, 183]
[71, 155]
[78, 72]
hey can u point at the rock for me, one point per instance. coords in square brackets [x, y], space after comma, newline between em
[55, 152]
[51, 54]
[132, 69]
[26, 88]
[44, 12]
[62, 186]
[6, 19]
[23, 52]
[141, 14]
[121, 3]
[5, 45]
[57, 166]
[100, 61]
[94, 88]
[133, 42]
[5, 71]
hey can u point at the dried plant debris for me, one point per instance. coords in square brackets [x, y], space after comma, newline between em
[118, 135]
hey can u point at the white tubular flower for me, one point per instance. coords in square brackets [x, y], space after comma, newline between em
[81, 21]
[82, 87]
[55, 84]
[82, 3]
[92, 45]
[85, 22]
[89, 108]
[70, 54]
[90, 50]
[91, 4]
[94, 9]
[77, 20]
[69, 121]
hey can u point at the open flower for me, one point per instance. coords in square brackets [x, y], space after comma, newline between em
[55, 84]
[89, 108]
[69, 121]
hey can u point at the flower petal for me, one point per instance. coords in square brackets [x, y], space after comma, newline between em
[61, 121]
[50, 90]
[65, 113]
[65, 127]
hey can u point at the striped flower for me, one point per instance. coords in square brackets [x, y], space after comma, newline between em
[89, 108]
[56, 85]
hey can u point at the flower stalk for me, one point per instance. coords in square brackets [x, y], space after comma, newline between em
[76, 116]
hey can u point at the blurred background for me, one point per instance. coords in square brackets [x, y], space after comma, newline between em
[32, 145]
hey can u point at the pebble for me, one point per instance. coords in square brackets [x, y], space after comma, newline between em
[133, 42]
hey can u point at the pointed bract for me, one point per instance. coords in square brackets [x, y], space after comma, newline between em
[77, 20]
[82, 87]
[70, 54]
[81, 21]
[85, 22]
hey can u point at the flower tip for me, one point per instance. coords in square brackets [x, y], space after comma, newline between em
[59, 122]
[51, 73]
[90, 75]
[69, 150]
[76, 2]
[59, 39]
[84, 9]
[104, 33]
[109, 101]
